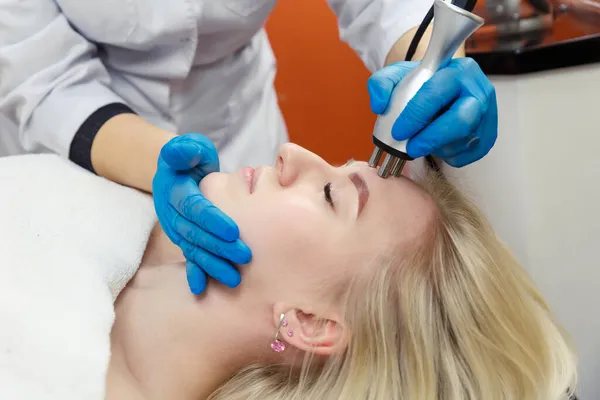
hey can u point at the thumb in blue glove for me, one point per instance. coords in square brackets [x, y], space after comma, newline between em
[208, 238]
[453, 116]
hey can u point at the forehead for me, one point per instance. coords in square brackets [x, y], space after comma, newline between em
[397, 207]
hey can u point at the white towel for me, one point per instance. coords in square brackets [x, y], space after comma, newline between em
[69, 242]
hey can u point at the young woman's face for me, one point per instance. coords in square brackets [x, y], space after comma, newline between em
[307, 221]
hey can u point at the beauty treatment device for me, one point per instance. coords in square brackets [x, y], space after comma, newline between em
[452, 25]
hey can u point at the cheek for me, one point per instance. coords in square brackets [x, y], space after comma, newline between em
[226, 192]
[260, 217]
[283, 236]
[272, 221]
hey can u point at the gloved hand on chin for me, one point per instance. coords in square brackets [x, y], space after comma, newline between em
[209, 238]
[453, 116]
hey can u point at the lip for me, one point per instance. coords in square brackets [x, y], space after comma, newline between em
[247, 174]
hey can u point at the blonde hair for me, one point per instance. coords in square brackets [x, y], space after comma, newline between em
[458, 319]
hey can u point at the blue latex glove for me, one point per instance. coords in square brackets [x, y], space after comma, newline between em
[453, 116]
[209, 238]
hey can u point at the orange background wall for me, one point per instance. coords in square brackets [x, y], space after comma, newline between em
[321, 82]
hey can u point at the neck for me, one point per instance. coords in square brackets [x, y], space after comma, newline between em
[167, 343]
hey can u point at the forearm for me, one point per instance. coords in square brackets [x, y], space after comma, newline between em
[126, 149]
[398, 51]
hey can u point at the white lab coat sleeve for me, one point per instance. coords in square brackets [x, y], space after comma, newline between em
[50, 77]
[371, 27]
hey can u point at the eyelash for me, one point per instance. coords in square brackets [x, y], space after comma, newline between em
[327, 190]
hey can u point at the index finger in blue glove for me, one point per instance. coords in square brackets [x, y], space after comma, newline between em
[381, 84]
[191, 151]
[187, 199]
[454, 125]
[460, 78]
[431, 99]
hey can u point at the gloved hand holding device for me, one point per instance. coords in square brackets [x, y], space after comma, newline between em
[210, 240]
[453, 116]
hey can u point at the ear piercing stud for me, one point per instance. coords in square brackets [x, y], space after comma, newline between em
[277, 345]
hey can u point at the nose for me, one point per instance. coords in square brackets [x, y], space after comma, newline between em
[295, 162]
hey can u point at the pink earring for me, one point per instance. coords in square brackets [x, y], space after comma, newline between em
[277, 345]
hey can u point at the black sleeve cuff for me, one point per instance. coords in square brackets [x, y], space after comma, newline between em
[80, 151]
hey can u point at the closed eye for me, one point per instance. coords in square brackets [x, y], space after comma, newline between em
[327, 191]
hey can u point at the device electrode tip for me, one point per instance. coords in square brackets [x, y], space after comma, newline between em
[375, 157]
[391, 165]
[397, 169]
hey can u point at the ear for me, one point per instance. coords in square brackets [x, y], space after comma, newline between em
[322, 335]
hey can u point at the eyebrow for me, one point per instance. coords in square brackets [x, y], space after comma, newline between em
[362, 189]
